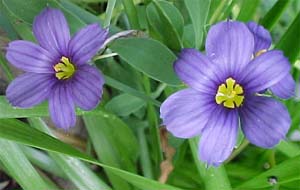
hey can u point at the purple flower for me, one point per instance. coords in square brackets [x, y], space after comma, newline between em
[56, 70]
[284, 88]
[225, 90]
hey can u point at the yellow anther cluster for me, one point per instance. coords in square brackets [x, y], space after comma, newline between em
[64, 69]
[230, 94]
[260, 52]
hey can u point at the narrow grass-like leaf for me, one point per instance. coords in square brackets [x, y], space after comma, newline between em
[17, 131]
[79, 173]
[287, 43]
[198, 11]
[16, 163]
[129, 90]
[43, 161]
[274, 14]
[248, 9]
[114, 144]
[108, 12]
[288, 148]
[285, 172]
[148, 56]
[131, 13]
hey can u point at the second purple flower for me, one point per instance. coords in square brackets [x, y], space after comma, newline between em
[226, 89]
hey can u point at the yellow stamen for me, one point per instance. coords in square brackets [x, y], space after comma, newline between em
[260, 52]
[64, 69]
[230, 94]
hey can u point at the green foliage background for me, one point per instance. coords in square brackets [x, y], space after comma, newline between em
[124, 140]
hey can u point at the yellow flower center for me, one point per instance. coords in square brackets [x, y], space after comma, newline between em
[64, 69]
[230, 94]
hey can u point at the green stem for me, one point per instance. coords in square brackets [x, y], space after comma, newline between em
[213, 177]
[131, 13]
[108, 12]
[104, 56]
[6, 68]
[237, 151]
[145, 157]
[217, 13]
[154, 127]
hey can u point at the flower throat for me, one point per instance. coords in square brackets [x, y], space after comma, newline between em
[230, 94]
[64, 69]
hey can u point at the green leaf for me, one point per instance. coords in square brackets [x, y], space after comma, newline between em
[287, 42]
[198, 11]
[19, 167]
[6, 27]
[129, 90]
[148, 56]
[81, 13]
[80, 174]
[131, 12]
[114, 144]
[285, 172]
[43, 161]
[248, 9]
[213, 177]
[124, 104]
[27, 10]
[271, 18]
[23, 29]
[7, 111]
[165, 19]
[288, 148]
[20, 132]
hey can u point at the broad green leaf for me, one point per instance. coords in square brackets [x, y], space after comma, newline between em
[81, 13]
[198, 11]
[19, 167]
[23, 29]
[27, 10]
[79, 173]
[165, 19]
[148, 56]
[188, 38]
[114, 144]
[213, 177]
[285, 172]
[18, 131]
[124, 104]
[271, 18]
[247, 10]
[287, 43]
